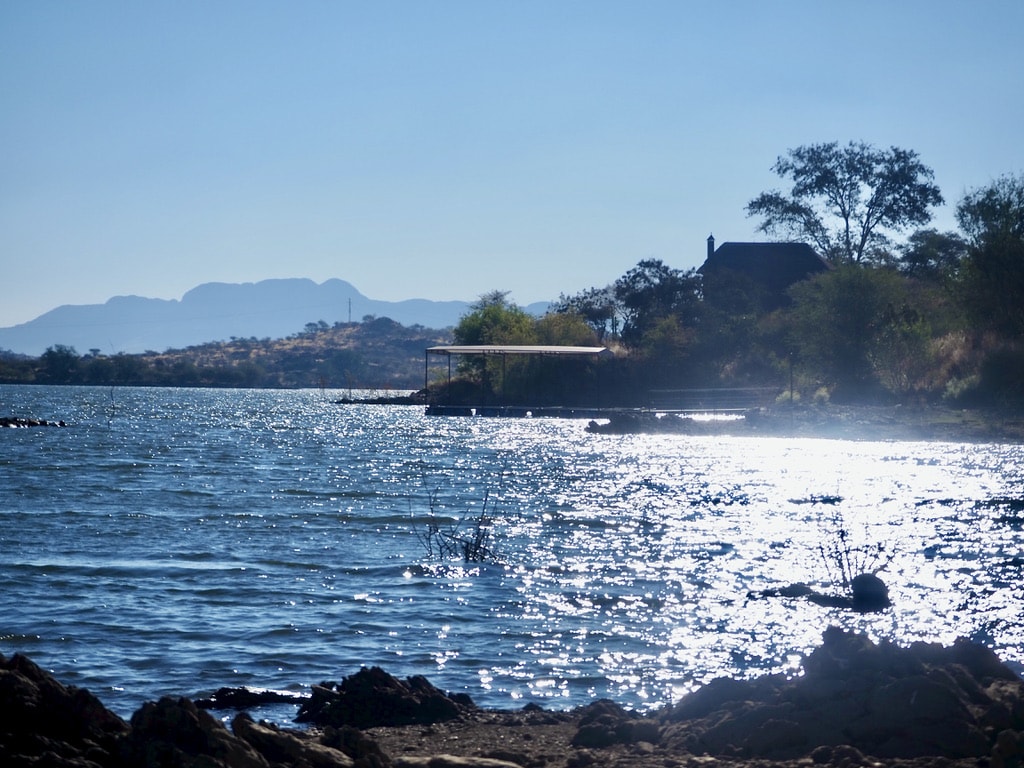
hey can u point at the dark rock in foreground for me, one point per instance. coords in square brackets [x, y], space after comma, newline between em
[176, 732]
[43, 720]
[858, 703]
[885, 701]
[372, 698]
[44, 723]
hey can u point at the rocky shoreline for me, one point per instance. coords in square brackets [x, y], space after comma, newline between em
[859, 422]
[862, 422]
[18, 422]
[857, 703]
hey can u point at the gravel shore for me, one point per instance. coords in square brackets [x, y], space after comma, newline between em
[857, 703]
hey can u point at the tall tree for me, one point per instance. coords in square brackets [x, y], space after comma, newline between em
[597, 307]
[652, 291]
[992, 218]
[58, 365]
[931, 254]
[493, 319]
[844, 199]
[565, 329]
[847, 325]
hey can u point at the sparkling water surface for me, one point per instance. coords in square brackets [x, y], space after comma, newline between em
[173, 541]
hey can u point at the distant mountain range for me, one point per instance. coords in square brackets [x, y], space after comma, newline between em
[217, 312]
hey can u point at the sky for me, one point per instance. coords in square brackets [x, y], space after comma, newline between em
[445, 149]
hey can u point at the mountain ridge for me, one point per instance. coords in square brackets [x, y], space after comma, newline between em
[217, 311]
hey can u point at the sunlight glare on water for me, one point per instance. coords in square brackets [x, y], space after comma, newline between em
[176, 541]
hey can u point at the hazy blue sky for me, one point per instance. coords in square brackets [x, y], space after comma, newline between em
[445, 149]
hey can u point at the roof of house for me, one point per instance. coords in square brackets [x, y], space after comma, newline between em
[774, 265]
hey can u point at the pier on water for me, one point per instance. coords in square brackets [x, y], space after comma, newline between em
[681, 402]
[523, 412]
[662, 401]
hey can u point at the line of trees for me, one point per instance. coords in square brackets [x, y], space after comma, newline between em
[377, 353]
[905, 313]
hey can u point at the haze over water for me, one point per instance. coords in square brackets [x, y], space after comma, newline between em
[173, 541]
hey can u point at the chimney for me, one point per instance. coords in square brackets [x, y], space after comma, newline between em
[711, 246]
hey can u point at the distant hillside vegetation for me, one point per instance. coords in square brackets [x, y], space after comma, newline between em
[218, 312]
[377, 353]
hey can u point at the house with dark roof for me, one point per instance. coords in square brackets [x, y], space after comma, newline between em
[764, 270]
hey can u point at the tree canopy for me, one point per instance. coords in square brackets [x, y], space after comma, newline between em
[596, 306]
[855, 328]
[927, 315]
[993, 220]
[929, 253]
[493, 319]
[845, 199]
[652, 291]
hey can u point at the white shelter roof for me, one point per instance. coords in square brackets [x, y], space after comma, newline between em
[517, 349]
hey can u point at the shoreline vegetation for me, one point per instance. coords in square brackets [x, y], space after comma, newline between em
[857, 703]
[825, 316]
[841, 422]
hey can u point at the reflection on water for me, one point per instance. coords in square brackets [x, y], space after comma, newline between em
[173, 541]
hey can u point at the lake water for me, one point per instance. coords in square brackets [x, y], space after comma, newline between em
[173, 541]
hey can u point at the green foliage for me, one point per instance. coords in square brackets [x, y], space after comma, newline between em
[666, 344]
[932, 255]
[844, 199]
[850, 322]
[565, 329]
[58, 365]
[493, 319]
[378, 353]
[16, 369]
[993, 279]
[734, 327]
[901, 353]
[315, 328]
[651, 292]
[596, 306]
[993, 212]
[941, 314]
[1002, 375]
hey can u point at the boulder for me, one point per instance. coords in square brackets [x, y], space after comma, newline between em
[869, 593]
[288, 747]
[365, 751]
[47, 722]
[372, 698]
[176, 732]
[877, 699]
[604, 723]
[245, 698]
[21, 422]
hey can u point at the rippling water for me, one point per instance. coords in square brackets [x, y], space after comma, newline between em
[172, 541]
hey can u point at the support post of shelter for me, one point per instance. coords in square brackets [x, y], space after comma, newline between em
[504, 350]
